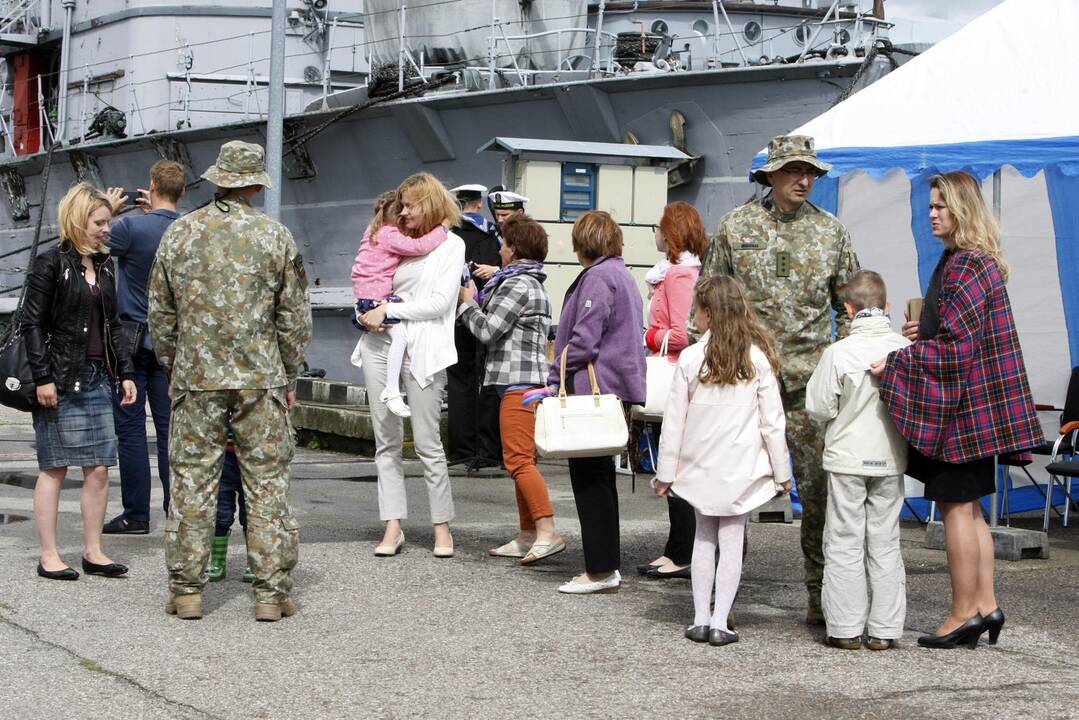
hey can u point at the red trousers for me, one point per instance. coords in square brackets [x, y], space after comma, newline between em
[518, 426]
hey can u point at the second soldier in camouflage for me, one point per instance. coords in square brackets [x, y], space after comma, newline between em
[792, 257]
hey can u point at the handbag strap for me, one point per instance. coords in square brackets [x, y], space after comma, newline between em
[562, 378]
[666, 341]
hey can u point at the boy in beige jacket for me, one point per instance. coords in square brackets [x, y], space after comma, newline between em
[864, 456]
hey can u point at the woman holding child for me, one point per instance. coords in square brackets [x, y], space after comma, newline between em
[960, 396]
[427, 286]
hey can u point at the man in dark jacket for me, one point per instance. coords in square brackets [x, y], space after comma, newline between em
[473, 413]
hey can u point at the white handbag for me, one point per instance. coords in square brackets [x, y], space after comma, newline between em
[659, 374]
[569, 426]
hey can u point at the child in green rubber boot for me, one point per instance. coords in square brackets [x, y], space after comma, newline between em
[229, 491]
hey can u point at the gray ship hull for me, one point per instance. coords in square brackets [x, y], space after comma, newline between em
[730, 114]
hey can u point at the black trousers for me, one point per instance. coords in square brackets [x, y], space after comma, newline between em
[679, 546]
[473, 412]
[596, 496]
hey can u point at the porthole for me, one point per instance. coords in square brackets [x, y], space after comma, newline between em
[751, 31]
[801, 35]
[701, 26]
[842, 37]
[659, 27]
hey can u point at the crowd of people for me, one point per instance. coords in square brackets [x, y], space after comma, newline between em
[782, 356]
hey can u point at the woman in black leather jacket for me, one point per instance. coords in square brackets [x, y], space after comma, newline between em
[73, 343]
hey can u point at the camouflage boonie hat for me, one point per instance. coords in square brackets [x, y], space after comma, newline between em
[239, 164]
[784, 149]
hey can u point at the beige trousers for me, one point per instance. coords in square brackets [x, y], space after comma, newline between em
[861, 537]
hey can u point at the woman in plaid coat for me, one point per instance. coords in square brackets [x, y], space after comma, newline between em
[960, 396]
[511, 316]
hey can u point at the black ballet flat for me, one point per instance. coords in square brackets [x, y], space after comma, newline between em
[717, 637]
[110, 570]
[966, 634]
[994, 621]
[697, 633]
[656, 574]
[65, 574]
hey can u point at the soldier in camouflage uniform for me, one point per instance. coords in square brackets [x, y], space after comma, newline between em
[230, 320]
[792, 257]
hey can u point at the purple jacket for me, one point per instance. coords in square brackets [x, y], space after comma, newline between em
[602, 323]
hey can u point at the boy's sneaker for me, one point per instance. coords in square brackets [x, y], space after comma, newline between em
[395, 403]
[844, 643]
[874, 643]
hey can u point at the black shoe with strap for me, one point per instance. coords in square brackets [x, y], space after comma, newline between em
[121, 525]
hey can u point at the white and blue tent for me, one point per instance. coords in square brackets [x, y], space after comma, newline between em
[1001, 94]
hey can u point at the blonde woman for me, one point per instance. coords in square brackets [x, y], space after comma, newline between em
[959, 395]
[428, 286]
[73, 344]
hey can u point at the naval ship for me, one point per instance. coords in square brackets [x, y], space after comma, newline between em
[378, 90]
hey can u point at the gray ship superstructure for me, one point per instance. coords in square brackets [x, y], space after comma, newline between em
[374, 94]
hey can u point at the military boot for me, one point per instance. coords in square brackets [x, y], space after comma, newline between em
[218, 553]
[185, 607]
[272, 612]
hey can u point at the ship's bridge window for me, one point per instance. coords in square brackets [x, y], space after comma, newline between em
[752, 31]
[578, 194]
[659, 27]
[801, 34]
[701, 26]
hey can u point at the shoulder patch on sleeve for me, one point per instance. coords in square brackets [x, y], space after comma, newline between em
[301, 272]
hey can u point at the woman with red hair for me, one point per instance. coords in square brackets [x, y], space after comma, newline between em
[680, 235]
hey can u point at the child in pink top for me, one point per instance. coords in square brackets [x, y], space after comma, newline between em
[380, 253]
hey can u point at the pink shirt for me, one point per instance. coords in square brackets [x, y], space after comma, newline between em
[670, 310]
[378, 258]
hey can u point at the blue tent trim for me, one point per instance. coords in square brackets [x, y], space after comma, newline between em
[980, 159]
[1063, 192]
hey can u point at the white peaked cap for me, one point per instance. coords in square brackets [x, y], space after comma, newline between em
[505, 197]
[469, 188]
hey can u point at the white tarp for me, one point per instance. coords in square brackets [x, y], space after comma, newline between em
[459, 30]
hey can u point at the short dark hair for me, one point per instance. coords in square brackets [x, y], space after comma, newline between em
[169, 179]
[527, 238]
[866, 290]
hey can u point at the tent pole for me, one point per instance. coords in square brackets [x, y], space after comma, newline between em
[994, 510]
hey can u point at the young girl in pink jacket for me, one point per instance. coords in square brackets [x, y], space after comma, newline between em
[381, 250]
[723, 448]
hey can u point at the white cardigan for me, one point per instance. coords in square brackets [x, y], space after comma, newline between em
[723, 448]
[430, 318]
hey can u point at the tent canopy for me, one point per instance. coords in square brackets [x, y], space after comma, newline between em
[1002, 91]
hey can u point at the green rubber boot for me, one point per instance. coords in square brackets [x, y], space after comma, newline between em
[218, 552]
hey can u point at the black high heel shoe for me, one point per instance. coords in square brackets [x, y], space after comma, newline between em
[967, 633]
[110, 570]
[994, 621]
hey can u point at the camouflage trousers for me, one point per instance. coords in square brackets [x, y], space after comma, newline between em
[264, 445]
[805, 439]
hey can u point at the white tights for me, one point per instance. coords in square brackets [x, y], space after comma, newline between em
[395, 358]
[729, 534]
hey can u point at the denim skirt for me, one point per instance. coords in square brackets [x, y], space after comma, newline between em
[79, 431]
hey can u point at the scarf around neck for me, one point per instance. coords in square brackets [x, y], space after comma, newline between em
[659, 271]
[517, 267]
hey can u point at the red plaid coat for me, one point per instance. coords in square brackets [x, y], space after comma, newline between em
[964, 395]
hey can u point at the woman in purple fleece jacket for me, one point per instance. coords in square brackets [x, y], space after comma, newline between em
[601, 323]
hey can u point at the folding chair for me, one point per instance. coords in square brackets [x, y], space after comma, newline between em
[1063, 466]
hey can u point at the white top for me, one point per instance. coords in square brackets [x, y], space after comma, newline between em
[723, 448]
[861, 438]
[433, 280]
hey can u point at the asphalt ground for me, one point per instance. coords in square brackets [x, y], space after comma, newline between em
[473, 636]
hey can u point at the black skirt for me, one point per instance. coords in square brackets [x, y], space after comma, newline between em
[952, 482]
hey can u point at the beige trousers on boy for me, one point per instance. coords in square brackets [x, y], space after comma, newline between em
[861, 537]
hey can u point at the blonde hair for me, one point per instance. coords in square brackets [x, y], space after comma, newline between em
[975, 226]
[387, 208]
[75, 209]
[432, 199]
[595, 234]
[735, 329]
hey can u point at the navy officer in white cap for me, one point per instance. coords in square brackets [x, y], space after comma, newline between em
[506, 204]
[473, 433]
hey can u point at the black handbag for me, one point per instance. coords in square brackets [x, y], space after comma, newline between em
[17, 389]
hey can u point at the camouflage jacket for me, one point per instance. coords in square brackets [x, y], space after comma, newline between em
[791, 266]
[228, 300]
